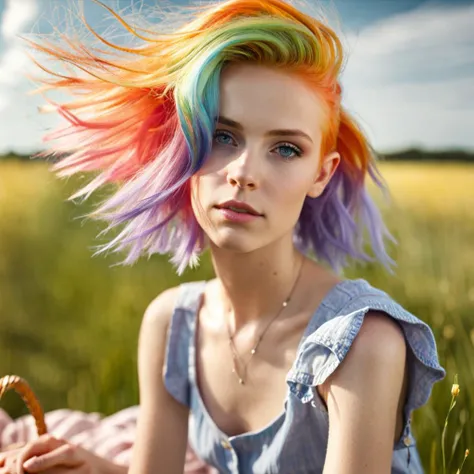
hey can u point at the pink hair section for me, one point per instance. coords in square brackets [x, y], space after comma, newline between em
[146, 152]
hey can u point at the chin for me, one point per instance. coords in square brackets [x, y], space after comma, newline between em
[233, 242]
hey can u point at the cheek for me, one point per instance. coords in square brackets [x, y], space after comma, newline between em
[195, 190]
[203, 187]
[291, 190]
[201, 194]
[215, 162]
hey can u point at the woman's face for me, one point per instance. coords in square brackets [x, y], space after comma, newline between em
[265, 154]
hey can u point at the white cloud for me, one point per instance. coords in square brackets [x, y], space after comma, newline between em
[14, 63]
[409, 78]
[18, 15]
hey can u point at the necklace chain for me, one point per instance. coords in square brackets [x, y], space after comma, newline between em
[242, 375]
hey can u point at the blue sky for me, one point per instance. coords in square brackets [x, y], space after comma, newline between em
[409, 76]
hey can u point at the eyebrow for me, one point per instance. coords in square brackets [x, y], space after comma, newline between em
[271, 133]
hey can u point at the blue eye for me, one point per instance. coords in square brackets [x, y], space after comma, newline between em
[221, 133]
[289, 150]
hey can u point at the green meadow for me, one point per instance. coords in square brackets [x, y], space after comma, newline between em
[69, 322]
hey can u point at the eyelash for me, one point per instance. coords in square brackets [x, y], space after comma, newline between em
[294, 148]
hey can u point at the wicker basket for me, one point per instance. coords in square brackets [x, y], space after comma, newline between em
[13, 382]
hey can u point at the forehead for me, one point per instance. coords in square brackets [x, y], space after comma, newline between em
[262, 98]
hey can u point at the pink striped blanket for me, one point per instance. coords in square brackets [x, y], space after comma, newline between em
[110, 437]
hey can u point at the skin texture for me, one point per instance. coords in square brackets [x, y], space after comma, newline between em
[50, 455]
[263, 171]
[363, 399]
[256, 265]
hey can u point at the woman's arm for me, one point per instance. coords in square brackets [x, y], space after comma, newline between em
[363, 400]
[162, 428]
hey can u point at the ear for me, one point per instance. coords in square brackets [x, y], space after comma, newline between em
[328, 166]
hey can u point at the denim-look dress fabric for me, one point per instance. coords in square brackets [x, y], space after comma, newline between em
[296, 441]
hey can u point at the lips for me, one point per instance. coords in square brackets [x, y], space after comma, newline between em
[238, 206]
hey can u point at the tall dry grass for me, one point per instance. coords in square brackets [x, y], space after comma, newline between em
[69, 323]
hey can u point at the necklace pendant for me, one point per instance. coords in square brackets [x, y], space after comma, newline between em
[238, 363]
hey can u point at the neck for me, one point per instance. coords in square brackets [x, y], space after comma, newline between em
[254, 285]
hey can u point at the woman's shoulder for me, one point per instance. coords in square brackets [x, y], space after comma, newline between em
[165, 336]
[360, 303]
[160, 310]
[349, 295]
[184, 295]
[351, 305]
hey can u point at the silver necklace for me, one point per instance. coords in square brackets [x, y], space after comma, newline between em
[242, 375]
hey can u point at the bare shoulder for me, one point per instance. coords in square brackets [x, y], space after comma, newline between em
[159, 311]
[377, 356]
[380, 344]
[152, 343]
[380, 335]
[155, 445]
[367, 390]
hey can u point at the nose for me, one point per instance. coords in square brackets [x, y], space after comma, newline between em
[242, 173]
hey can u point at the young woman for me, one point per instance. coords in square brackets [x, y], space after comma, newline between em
[228, 134]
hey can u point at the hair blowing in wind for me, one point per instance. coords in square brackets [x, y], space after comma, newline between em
[143, 117]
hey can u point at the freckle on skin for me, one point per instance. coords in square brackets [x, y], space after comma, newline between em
[275, 273]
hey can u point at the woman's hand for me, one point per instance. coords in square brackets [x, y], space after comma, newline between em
[8, 457]
[50, 455]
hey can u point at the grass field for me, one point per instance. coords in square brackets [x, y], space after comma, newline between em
[69, 322]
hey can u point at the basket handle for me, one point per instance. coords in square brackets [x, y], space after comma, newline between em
[14, 382]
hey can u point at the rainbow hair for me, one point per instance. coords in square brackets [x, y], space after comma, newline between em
[145, 122]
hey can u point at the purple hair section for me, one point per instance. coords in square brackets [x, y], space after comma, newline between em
[155, 206]
[333, 224]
